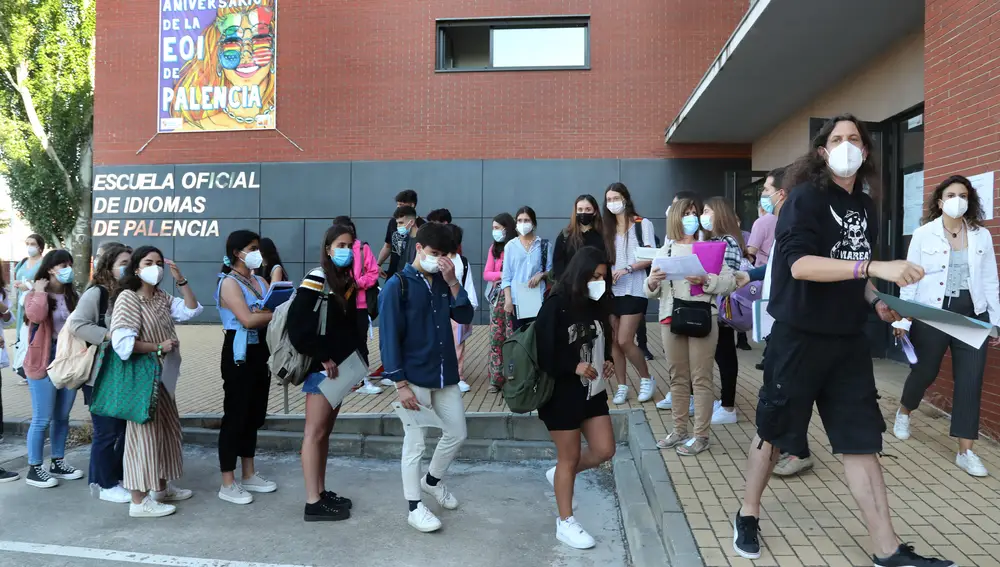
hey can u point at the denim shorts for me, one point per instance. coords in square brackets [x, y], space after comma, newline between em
[311, 385]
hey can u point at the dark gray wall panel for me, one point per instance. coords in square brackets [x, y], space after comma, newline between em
[472, 239]
[547, 186]
[453, 185]
[305, 190]
[288, 236]
[372, 231]
[242, 202]
[203, 278]
[211, 248]
[315, 229]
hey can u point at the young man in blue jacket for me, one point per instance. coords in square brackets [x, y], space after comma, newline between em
[416, 307]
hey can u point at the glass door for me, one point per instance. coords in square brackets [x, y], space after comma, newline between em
[743, 190]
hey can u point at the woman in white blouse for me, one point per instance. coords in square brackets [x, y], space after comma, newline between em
[624, 232]
[957, 255]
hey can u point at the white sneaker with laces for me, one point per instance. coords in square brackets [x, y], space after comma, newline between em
[970, 463]
[116, 494]
[901, 429]
[463, 386]
[423, 520]
[550, 475]
[646, 388]
[621, 395]
[150, 509]
[172, 494]
[387, 383]
[665, 403]
[440, 493]
[572, 534]
[235, 493]
[722, 416]
[257, 483]
[369, 389]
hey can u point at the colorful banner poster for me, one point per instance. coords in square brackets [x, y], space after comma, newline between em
[217, 65]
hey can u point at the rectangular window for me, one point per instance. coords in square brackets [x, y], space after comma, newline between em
[513, 44]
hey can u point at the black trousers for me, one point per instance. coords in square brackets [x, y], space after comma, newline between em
[244, 405]
[362, 330]
[640, 334]
[968, 365]
[729, 365]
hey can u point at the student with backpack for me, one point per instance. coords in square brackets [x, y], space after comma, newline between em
[468, 282]
[574, 344]
[527, 260]
[24, 275]
[322, 325]
[418, 352]
[364, 269]
[90, 323]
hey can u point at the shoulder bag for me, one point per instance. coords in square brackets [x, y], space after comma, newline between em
[126, 389]
[689, 318]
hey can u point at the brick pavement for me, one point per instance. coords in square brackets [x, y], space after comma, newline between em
[809, 520]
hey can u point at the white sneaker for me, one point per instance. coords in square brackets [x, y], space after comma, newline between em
[172, 494]
[257, 483]
[440, 493]
[387, 383]
[646, 388]
[369, 389]
[722, 416]
[463, 386]
[235, 493]
[116, 494]
[423, 520]
[550, 475]
[621, 395]
[970, 463]
[150, 509]
[901, 429]
[572, 534]
[665, 403]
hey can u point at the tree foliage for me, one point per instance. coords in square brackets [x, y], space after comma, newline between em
[47, 112]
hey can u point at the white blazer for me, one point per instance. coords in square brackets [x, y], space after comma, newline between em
[930, 249]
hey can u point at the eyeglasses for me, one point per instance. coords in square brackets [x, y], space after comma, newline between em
[258, 40]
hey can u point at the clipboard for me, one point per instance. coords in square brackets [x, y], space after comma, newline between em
[426, 417]
[278, 293]
[350, 372]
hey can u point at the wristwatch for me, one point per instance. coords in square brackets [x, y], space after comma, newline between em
[628, 268]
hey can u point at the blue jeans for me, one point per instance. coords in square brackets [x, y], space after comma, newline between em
[49, 406]
[107, 450]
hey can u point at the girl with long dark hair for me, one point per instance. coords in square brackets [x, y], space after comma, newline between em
[501, 322]
[364, 270]
[271, 270]
[246, 381]
[332, 282]
[142, 322]
[574, 348]
[527, 261]
[585, 229]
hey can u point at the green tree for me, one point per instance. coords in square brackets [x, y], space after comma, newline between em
[47, 116]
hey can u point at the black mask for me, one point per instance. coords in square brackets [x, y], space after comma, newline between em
[585, 218]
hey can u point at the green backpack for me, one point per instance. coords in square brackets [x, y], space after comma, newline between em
[527, 386]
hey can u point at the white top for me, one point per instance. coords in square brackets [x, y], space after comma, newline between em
[597, 385]
[625, 248]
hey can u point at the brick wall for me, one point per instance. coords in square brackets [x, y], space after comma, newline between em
[356, 81]
[962, 129]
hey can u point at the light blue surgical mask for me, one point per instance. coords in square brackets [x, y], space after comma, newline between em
[706, 222]
[65, 275]
[402, 230]
[691, 224]
[499, 234]
[342, 257]
[766, 204]
[121, 272]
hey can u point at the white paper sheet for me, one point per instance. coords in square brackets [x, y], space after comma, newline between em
[350, 372]
[680, 267]
[529, 301]
[985, 187]
[762, 321]
[913, 201]
[974, 337]
[646, 253]
[423, 418]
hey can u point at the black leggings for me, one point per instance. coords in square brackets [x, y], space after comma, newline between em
[362, 331]
[729, 365]
[640, 334]
[244, 405]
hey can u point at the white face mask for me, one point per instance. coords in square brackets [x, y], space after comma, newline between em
[955, 207]
[429, 264]
[595, 290]
[254, 259]
[524, 228]
[459, 268]
[152, 275]
[33, 251]
[845, 160]
[616, 207]
[706, 222]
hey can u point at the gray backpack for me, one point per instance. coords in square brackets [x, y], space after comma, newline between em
[287, 364]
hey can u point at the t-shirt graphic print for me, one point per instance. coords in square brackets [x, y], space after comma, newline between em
[853, 244]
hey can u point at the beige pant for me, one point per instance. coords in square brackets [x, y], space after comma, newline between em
[691, 363]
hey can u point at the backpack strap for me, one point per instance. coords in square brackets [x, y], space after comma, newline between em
[545, 253]
[638, 232]
[402, 288]
[465, 270]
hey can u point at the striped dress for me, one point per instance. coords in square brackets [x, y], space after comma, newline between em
[152, 450]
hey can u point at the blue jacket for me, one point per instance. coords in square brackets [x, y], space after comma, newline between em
[415, 335]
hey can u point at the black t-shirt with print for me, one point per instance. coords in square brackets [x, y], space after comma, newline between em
[397, 244]
[830, 222]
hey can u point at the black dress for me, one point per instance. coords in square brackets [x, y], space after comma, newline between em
[566, 335]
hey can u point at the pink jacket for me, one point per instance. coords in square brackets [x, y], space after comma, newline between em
[36, 361]
[365, 271]
[494, 267]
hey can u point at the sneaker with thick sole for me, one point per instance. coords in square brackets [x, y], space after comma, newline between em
[746, 536]
[150, 509]
[423, 520]
[790, 465]
[116, 494]
[666, 403]
[65, 471]
[440, 493]
[235, 494]
[8, 476]
[570, 532]
[722, 416]
[621, 395]
[971, 463]
[647, 386]
[388, 383]
[257, 483]
[39, 477]
[369, 389]
[172, 494]
[338, 501]
[325, 511]
[550, 475]
[905, 556]
[901, 428]
[463, 386]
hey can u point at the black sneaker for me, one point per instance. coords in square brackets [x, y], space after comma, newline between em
[338, 501]
[905, 557]
[326, 511]
[759, 365]
[746, 536]
[744, 345]
[40, 478]
[7, 476]
[62, 469]
[647, 354]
